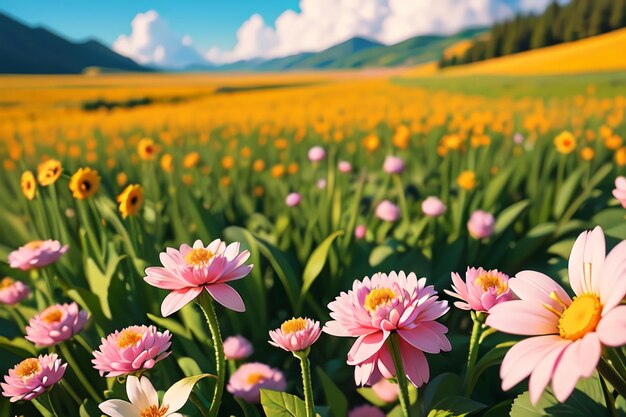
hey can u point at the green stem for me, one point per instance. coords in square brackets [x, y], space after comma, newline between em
[17, 318]
[473, 353]
[608, 398]
[306, 381]
[79, 374]
[81, 341]
[71, 391]
[394, 347]
[609, 373]
[206, 304]
[46, 411]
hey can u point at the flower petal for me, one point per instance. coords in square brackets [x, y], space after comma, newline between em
[589, 248]
[544, 370]
[119, 408]
[226, 296]
[523, 357]
[176, 300]
[537, 287]
[366, 346]
[137, 396]
[612, 327]
[613, 284]
[522, 318]
[178, 394]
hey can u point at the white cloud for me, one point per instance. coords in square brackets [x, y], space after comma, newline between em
[152, 43]
[323, 23]
[319, 24]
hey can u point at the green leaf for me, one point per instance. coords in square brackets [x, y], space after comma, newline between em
[443, 385]
[99, 284]
[316, 262]
[334, 397]
[370, 395]
[509, 215]
[171, 325]
[495, 188]
[566, 193]
[586, 400]
[18, 346]
[491, 358]
[455, 407]
[189, 366]
[90, 302]
[281, 404]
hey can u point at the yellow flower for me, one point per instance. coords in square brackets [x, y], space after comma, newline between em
[565, 142]
[28, 184]
[187, 179]
[225, 181]
[191, 159]
[587, 153]
[258, 165]
[281, 144]
[259, 191]
[620, 157]
[278, 171]
[245, 152]
[613, 142]
[167, 162]
[121, 179]
[131, 200]
[371, 142]
[84, 183]
[228, 162]
[8, 164]
[147, 149]
[49, 172]
[466, 180]
[401, 137]
[292, 168]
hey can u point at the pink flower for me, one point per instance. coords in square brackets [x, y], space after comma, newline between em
[481, 289]
[37, 254]
[321, 183]
[518, 138]
[189, 270]
[481, 224]
[250, 378]
[385, 304]
[293, 199]
[237, 348]
[144, 399]
[56, 324]
[386, 391]
[33, 377]
[366, 411]
[12, 292]
[393, 165]
[387, 211]
[316, 154]
[433, 207]
[568, 335]
[620, 190]
[135, 348]
[344, 167]
[296, 334]
[359, 231]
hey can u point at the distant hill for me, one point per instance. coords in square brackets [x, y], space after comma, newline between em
[358, 53]
[28, 50]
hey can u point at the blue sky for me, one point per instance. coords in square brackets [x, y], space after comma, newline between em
[209, 22]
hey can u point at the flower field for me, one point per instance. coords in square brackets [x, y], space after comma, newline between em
[333, 244]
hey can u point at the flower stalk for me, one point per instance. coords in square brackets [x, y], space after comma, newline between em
[43, 404]
[474, 345]
[206, 304]
[303, 355]
[394, 347]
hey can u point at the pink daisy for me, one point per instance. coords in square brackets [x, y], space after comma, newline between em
[481, 289]
[32, 377]
[377, 307]
[12, 291]
[568, 335]
[189, 270]
[37, 254]
[56, 324]
[135, 348]
[237, 348]
[247, 381]
[296, 335]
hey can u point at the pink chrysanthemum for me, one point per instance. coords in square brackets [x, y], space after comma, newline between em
[190, 270]
[12, 291]
[568, 334]
[33, 377]
[237, 348]
[249, 379]
[481, 290]
[56, 324]
[385, 304]
[132, 349]
[37, 254]
[296, 334]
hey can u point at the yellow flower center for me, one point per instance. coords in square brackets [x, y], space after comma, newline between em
[199, 257]
[581, 317]
[6, 282]
[128, 338]
[377, 298]
[35, 244]
[52, 315]
[486, 281]
[154, 411]
[85, 186]
[255, 378]
[28, 368]
[294, 325]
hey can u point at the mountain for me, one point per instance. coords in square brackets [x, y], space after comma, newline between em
[36, 50]
[360, 53]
